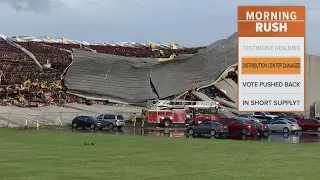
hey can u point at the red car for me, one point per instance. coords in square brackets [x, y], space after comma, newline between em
[309, 124]
[294, 115]
[238, 126]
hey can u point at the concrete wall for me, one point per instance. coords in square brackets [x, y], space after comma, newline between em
[312, 83]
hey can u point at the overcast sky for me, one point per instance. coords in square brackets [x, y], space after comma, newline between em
[186, 22]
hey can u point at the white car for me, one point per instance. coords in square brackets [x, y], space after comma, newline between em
[284, 126]
[248, 117]
[264, 115]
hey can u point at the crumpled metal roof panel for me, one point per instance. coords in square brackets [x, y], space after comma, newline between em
[203, 68]
[128, 78]
[110, 76]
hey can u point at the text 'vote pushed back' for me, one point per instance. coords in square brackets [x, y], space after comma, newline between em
[271, 84]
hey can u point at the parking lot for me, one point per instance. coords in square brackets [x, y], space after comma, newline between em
[298, 137]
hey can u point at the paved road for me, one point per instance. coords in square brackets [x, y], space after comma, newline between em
[301, 137]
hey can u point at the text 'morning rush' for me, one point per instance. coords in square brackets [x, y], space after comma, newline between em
[271, 16]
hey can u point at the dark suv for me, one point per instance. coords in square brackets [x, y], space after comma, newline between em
[87, 122]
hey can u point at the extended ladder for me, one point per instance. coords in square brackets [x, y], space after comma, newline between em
[181, 104]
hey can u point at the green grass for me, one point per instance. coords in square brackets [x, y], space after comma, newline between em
[49, 155]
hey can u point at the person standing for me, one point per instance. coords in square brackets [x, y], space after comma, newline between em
[143, 118]
[134, 119]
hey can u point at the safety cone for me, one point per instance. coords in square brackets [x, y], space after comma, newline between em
[26, 127]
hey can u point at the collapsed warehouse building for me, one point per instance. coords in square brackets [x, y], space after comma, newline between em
[119, 75]
[136, 80]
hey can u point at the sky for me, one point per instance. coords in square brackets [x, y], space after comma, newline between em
[189, 23]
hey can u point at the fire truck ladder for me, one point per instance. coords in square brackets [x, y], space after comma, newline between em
[180, 104]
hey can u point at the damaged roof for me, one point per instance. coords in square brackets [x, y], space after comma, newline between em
[110, 76]
[130, 79]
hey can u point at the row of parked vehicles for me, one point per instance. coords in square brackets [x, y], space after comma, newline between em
[285, 121]
[208, 117]
[225, 126]
[100, 122]
[248, 124]
[166, 113]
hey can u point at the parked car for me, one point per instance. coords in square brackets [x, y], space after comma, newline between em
[112, 120]
[264, 115]
[211, 127]
[287, 118]
[284, 126]
[262, 129]
[238, 126]
[267, 121]
[309, 124]
[278, 114]
[248, 117]
[87, 122]
[295, 115]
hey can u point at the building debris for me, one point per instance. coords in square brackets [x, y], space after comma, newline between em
[42, 73]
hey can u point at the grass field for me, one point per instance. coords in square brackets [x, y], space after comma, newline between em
[49, 155]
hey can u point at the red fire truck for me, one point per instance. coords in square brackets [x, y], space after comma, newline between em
[165, 113]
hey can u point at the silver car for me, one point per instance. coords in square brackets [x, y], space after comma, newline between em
[287, 118]
[112, 120]
[284, 126]
[247, 117]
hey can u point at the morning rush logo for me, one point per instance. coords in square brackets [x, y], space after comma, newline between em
[271, 16]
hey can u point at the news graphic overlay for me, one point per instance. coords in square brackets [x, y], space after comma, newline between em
[271, 58]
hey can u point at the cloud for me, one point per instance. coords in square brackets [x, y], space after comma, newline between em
[32, 5]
